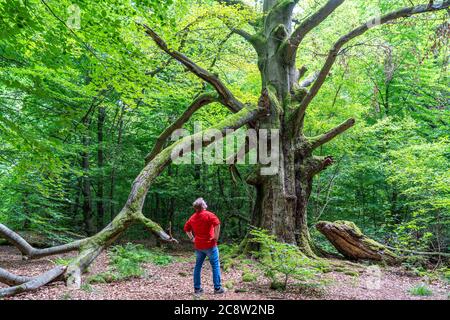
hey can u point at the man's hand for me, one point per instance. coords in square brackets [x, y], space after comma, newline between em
[190, 236]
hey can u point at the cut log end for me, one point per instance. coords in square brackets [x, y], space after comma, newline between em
[349, 240]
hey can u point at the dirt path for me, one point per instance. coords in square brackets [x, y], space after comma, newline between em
[174, 282]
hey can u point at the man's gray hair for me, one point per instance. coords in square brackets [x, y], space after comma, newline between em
[199, 204]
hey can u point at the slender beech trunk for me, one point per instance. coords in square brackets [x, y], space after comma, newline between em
[112, 207]
[88, 216]
[171, 209]
[100, 164]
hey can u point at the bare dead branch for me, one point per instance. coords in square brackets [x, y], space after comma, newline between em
[306, 26]
[34, 283]
[228, 98]
[198, 103]
[32, 253]
[310, 80]
[11, 279]
[159, 232]
[316, 142]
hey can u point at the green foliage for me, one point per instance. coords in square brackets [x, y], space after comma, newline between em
[446, 274]
[421, 290]
[126, 262]
[229, 284]
[280, 261]
[249, 275]
[62, 261]
[87, 287]
[228, 255]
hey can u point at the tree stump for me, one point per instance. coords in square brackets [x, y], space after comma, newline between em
[348, 239]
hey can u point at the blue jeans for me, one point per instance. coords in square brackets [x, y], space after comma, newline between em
[213, 255]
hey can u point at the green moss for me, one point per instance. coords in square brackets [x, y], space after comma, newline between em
[103, 277]
[86, 287]
[249, 277]
[351, 273]
[66, 296]
[277, 285]
[351, 225]
[376, 246]
[273, 98]
[62, 261]
[153, 226]
[299, 94]
[258, 40]
[229, 284]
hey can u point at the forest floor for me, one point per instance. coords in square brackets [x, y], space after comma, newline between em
[173, 282]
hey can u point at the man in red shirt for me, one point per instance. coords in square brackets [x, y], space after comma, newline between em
[203, 228]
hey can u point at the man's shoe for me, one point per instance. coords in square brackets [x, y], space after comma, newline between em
[198, 291]
[219, 291]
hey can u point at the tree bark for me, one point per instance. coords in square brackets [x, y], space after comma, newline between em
[117, 152]
[88, 216]
[348, 239]
[100, 164]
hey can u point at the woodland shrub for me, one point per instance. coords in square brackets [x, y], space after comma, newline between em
[280, 262]
[126, 262]
[421, 290]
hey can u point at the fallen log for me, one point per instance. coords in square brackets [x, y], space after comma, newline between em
[348, 239]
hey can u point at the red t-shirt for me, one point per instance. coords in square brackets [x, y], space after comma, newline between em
[202, 225]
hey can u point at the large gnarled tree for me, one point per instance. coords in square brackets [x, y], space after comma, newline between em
[285, 96]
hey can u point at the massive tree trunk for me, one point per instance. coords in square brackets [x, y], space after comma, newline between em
[282, 199]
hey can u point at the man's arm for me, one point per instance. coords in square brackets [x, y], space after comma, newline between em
[188, 229]
[217, 232]
[190, 235]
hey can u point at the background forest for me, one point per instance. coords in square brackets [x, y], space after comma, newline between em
[84, 94]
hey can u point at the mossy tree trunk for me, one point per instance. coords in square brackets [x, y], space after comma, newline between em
[348, 239]
[282, 199]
